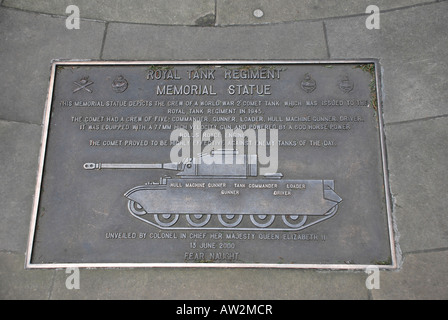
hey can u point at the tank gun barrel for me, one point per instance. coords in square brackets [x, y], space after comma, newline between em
[99, 166]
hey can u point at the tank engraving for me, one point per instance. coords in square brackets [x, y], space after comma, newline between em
[298, 204]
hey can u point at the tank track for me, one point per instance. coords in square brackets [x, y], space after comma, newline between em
[227, 222]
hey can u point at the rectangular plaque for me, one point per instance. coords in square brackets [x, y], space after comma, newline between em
[276, 164]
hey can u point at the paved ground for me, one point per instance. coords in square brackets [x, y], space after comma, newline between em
[412, 44]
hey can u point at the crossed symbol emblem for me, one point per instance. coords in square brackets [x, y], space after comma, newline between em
[83, 84]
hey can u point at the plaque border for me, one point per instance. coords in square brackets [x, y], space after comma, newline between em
[46, 121]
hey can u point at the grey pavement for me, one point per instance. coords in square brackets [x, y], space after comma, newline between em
[411, 44]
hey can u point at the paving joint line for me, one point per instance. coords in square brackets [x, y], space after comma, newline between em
[415, 120]
[51, 15]
[443, 249]
[409, 7]
[51, 289]
[10, 251]
[21, 122]
[54, 15]
[326, 40]
[106, 28]
[216, 13]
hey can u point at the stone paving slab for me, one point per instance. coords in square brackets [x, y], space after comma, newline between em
[145, 42]
[416, 152]
[228, 284]
[165, 12]
[19, 155]
[412, 51]
[237, 12]
[29, 42]
[423, 276]
[178, 284]
[193, 12]
[17, 283]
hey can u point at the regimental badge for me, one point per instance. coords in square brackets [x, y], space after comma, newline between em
[308, 84]
[120, 84]
[346, 85]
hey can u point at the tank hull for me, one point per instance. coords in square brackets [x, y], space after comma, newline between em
[164, 204]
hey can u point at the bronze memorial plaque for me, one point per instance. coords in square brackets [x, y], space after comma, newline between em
[277, 164]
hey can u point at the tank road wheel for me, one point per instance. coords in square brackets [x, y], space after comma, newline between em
[294, 220]
[166, 219]
[136, 208]
[262, 220]
[198, 220]
[230, 220]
